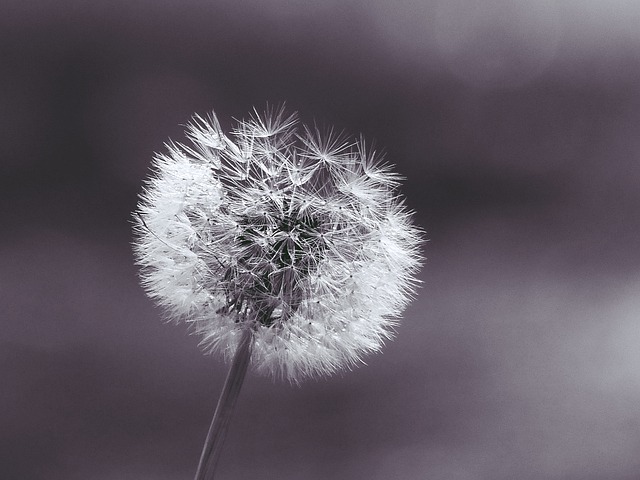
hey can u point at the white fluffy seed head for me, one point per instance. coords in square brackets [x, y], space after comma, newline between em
[297, 235]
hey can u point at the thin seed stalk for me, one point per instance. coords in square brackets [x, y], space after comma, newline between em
[220, 422]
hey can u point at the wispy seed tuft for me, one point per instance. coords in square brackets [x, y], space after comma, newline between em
[296, 234]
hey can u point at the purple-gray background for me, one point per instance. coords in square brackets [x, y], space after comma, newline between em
[517, 125]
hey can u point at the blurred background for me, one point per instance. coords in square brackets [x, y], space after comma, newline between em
[517, 126]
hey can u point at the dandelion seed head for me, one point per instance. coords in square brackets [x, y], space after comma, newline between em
[295, 234]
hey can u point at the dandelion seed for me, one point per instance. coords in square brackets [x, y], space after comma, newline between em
[287, 245]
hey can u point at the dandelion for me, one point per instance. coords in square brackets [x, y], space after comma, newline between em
[285, 247]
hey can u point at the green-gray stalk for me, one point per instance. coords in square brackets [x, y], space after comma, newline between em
[218, 429]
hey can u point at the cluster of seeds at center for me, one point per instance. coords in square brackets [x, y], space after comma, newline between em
[276, 254]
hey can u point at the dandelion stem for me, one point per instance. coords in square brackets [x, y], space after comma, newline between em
[220, 422]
